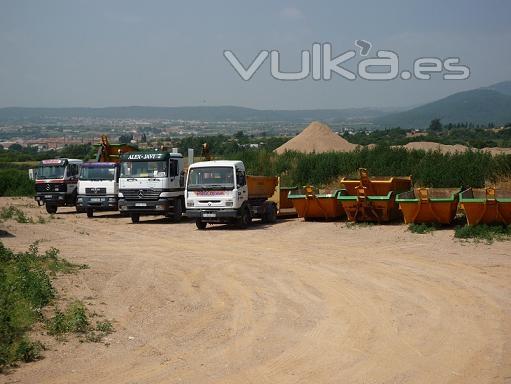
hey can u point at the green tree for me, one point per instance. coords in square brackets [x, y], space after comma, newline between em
[239, 135]
[126, 138]
[435, 125]
[15, 147]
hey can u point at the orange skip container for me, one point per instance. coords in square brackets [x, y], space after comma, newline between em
[313, 205]
[372, 199]
[429, 205]
[486, 206]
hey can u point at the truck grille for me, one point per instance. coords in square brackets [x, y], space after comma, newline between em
[140, 194]
[50, 187]
[95, 191]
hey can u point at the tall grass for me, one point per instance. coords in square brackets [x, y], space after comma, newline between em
[428, 168]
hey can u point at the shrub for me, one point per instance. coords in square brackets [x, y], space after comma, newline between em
[484, 232]
[12, 212]
[15, 182]
[25, 289]
[423, 228]
[74, 319]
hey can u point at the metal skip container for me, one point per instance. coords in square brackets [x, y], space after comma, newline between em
[372, 198]
[310, 204]
[486, 206]
[429, 205]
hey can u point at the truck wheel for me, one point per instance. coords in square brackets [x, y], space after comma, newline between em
[200, 224]
[245, 219]
[90, 212]
[135, 218]
[270, 216]
[51, 208]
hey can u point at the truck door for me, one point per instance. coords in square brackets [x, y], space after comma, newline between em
[241, 186]
[174, 173]
[71, 177]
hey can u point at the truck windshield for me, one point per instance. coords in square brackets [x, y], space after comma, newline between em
[50, 172]
[211, 178]
[144, 169]
[97, 173]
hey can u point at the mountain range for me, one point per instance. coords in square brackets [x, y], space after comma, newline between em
[480, 106]
[204, 113]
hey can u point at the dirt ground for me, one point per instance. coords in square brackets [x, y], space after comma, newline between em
[294, 302]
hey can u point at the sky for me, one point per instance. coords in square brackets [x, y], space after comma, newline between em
[72, 53]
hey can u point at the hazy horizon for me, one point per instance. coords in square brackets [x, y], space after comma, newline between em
[170, 54]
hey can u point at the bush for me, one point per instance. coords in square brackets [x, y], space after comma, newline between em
[484, 232]
[25, 289]
[15, 182]
[12, 212]
[423, 228]
[29, 350]
[74, 319]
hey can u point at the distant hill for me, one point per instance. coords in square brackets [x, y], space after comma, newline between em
[481, 106]
[503, 87]
[204, 113]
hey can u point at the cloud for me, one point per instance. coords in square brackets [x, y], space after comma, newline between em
[291, 13]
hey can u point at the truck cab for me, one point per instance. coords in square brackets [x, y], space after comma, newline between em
[152, 183]
[98, 187]
[221, 192]
[56, 183]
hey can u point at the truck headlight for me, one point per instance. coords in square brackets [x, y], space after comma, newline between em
[229, 203]
[120, 194]
[79, 200]
[111, 199]
[191, 203]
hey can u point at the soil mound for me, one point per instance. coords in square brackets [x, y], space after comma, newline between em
[318, 138]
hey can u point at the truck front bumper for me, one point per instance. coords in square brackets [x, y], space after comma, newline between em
[106, 203]
[160, 206]
[212, 214]
[58, 198]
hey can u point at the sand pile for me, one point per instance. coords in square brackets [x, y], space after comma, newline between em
[317, 137]
[431, 146]
[497, 151]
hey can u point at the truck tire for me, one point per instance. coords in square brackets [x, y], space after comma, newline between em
[201, 225]
[245, 220]
[135, 218]
[90, 212]
[51, 208]
[270, 214]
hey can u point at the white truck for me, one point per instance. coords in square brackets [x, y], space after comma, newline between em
[55, 183]
[98, 187]
[220, 192]
[152, 183]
